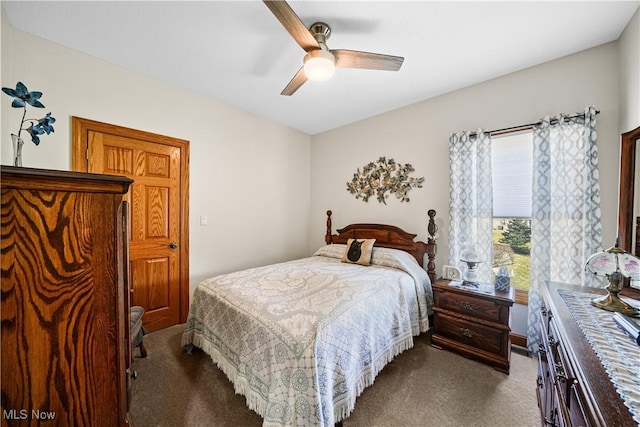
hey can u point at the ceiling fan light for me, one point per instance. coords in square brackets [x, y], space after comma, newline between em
[319, 65]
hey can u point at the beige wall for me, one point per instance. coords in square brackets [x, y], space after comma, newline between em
[418, 134]
[5, 50]
[630, 75]
[237, 178]
[249, 176]
[630, 90]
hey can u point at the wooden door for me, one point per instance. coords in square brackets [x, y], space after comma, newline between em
[159, 202]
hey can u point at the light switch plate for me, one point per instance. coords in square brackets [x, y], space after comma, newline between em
[451, 272]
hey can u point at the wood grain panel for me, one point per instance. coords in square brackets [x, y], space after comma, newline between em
[158, 278]
[61, 331]
[40, 179]
[476, 307]
[118, 160]
[157, 212]
[149, 278]
[138, 213]
[158, 165]
[140, 159]
[473, 335]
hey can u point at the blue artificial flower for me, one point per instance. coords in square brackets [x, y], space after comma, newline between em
[22, 95]
[44, 125]
[34, 131]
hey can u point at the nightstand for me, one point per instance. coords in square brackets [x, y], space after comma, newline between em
[473, 322]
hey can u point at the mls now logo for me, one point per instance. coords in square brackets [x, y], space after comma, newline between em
[14, 414]
[23, 414]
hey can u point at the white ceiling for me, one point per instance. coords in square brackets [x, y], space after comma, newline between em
[238, 53]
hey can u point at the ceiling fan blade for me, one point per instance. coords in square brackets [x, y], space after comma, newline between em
[298, 80]
[371, 61]
[292, 24]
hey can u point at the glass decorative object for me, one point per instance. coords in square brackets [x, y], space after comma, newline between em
[17, 149]
[503, 280]
[614, 264]
[470, 257]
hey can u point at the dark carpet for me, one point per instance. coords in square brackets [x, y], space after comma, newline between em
[423, 386]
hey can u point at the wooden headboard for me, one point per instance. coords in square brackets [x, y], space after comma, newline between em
[390, 236]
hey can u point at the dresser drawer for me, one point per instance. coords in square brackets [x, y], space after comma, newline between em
[567, 386]
[469, 333]
[471, 305]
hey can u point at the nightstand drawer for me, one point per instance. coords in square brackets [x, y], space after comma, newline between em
[470, 305]
[473, 321]
[469, 333]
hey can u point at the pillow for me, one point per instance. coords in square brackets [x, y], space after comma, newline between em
[335, 250]
[358, 251]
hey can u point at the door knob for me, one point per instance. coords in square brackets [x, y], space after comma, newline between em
[173, 245]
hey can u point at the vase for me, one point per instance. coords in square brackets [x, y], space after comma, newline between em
[17, 149]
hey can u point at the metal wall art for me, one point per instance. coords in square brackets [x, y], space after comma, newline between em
[382, 178]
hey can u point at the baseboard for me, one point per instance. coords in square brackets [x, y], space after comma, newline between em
[519, 340]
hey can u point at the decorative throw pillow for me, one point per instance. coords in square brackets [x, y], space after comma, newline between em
[358, 251]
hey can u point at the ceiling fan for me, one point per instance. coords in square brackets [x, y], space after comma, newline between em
[320, 61]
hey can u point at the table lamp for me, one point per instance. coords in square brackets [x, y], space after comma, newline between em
[614, 263]
[470, 257]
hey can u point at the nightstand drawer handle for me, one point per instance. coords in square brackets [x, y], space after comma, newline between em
[468, 306]
[467, 333]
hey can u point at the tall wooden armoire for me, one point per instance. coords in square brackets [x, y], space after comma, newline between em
[64, 305]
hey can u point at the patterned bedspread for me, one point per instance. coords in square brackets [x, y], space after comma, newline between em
[302, 339]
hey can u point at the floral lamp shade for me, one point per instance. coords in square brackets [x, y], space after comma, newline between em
[605, 263]
[614, 264]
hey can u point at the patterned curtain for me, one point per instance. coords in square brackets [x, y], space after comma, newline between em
[471, 199]
[565, 226]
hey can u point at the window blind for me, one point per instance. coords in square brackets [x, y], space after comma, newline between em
[512, 167]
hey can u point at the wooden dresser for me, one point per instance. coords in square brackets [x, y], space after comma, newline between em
[573, 387]
[637, 252]
[64, 307]
[473, 322]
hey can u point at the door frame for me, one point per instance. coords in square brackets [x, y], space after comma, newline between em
[79, 162]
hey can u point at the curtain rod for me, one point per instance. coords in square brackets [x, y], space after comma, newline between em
[529, 126]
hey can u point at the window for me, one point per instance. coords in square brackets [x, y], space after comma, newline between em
[512, 167]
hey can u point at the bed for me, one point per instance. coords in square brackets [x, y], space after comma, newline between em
[302, 339]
